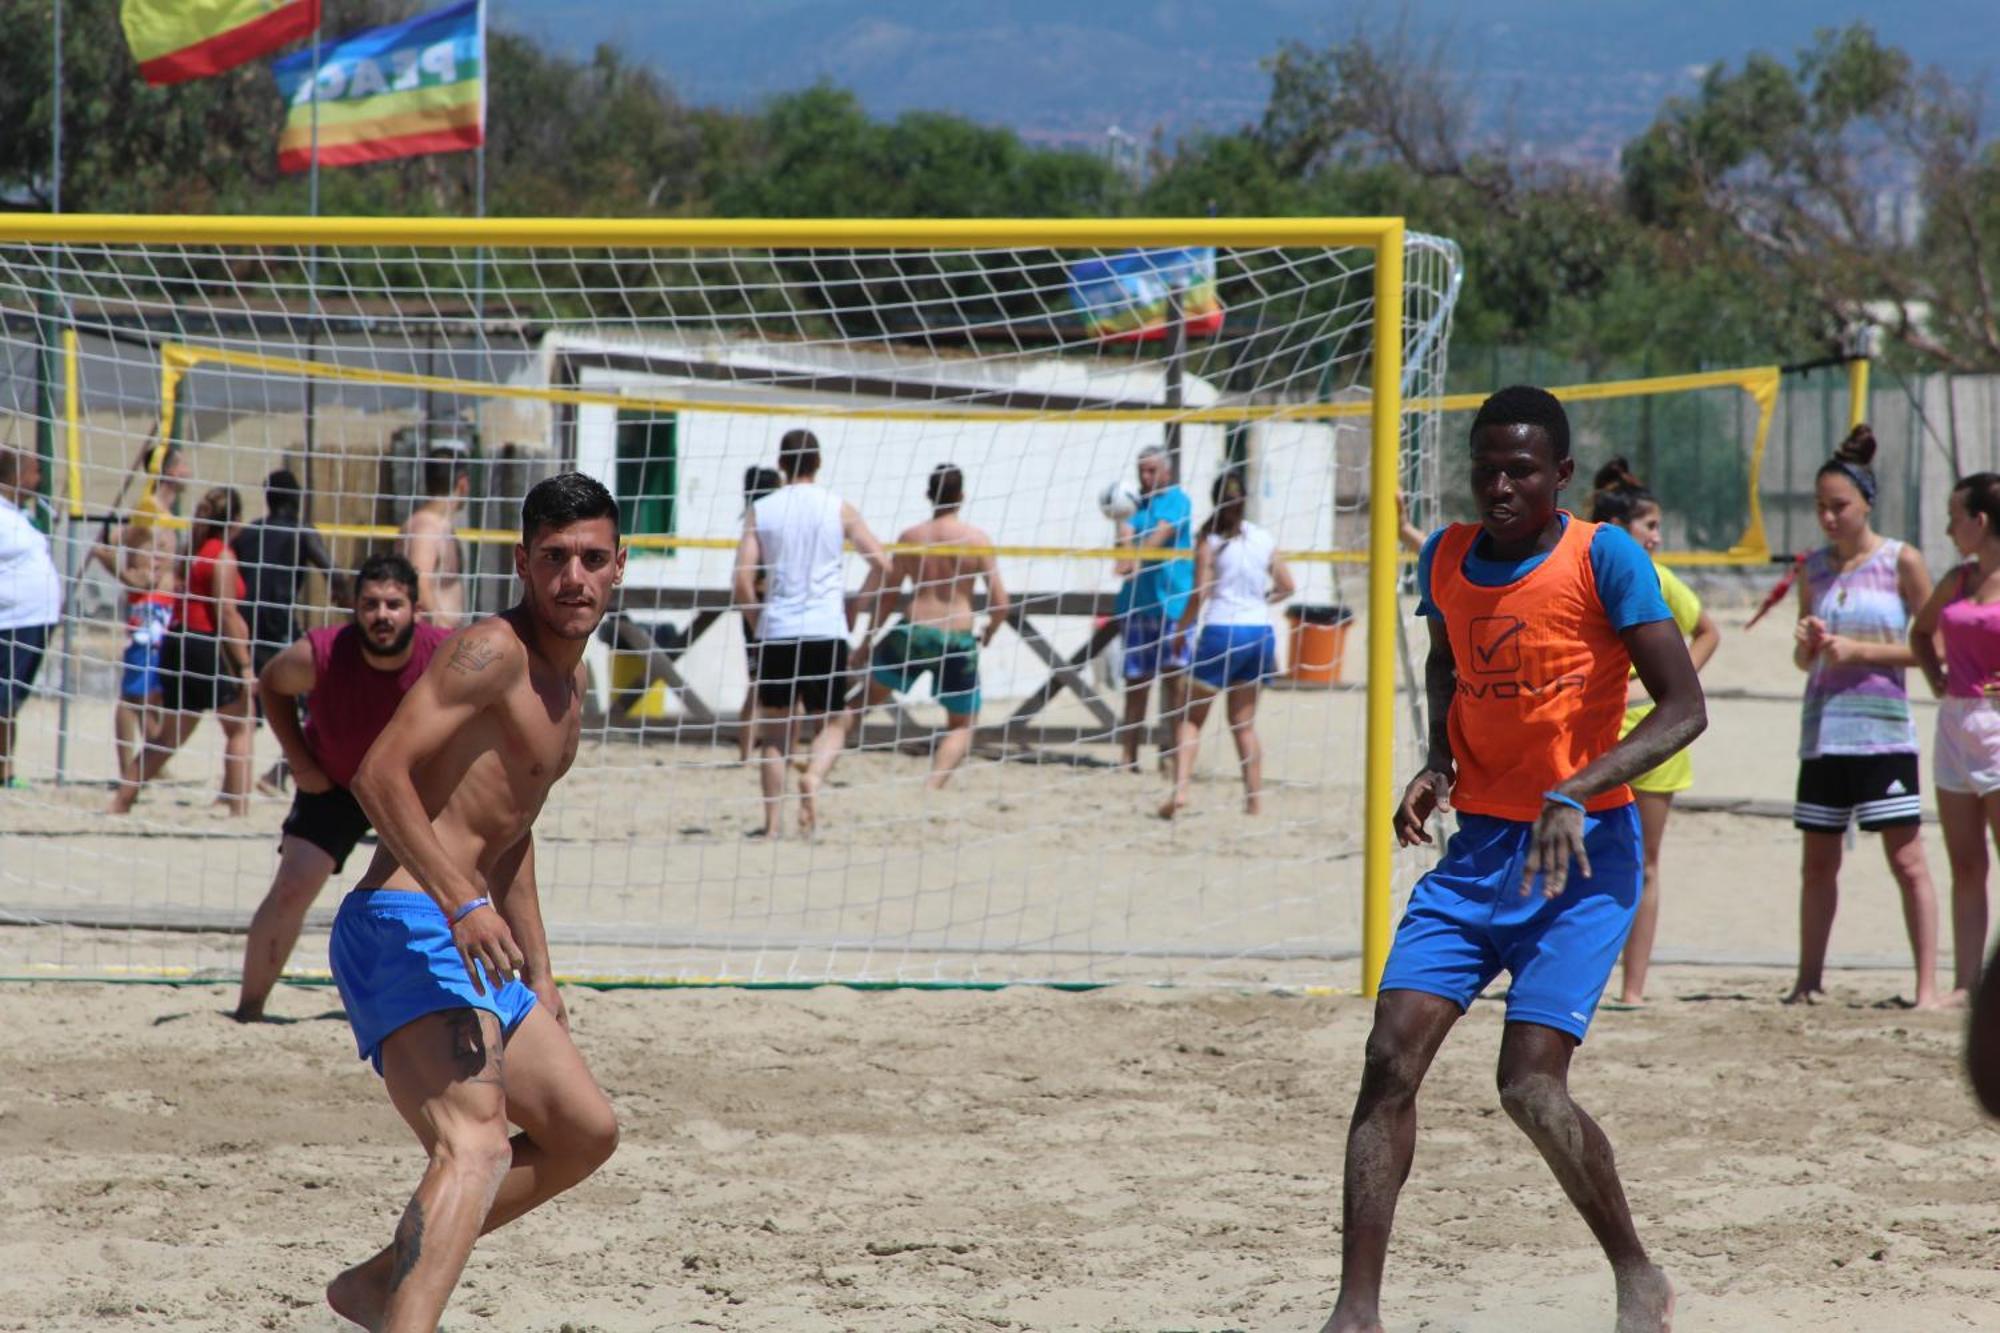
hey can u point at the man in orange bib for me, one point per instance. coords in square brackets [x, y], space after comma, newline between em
[1534, 617]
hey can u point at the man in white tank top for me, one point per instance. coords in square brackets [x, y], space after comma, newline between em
[794, 539]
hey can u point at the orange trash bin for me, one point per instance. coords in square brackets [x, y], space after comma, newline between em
[1319, 638]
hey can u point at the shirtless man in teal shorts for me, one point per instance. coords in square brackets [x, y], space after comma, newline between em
[937, 635]
[440, 955]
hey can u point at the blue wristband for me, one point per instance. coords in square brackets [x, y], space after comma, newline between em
[1561, 799]
[474, 906]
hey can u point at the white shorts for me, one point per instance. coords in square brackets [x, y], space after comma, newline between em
[1967, 756]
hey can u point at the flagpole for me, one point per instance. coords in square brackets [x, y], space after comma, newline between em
[312, 276]
[55, 121]
[72, 411]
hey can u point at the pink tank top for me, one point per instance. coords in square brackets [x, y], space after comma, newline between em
[351, 701]
[1971, 644]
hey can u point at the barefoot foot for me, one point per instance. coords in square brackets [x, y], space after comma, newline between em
[1804, 994]
[1173, 805]
[1645, 1301]
[360, 1294]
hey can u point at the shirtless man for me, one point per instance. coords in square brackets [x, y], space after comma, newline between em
[440, 955]
[429, 540]
[937, 634]
[142, 554]
[356, 674]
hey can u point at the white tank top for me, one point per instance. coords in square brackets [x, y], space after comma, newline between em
[805, 589]
[1242, 578]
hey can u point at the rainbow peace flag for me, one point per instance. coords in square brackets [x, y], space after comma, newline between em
[411, 88]
[178, 40]
[1127, 297]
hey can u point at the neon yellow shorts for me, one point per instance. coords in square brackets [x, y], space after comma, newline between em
[1677, 774]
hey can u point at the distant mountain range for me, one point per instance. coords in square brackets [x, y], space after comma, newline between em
[1570, 79]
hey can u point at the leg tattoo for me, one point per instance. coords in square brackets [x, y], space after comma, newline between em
[408, 1247]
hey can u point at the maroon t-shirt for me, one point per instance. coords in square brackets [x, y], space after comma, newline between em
[351, 701]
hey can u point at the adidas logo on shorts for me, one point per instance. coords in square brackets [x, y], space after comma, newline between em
[1897, 788]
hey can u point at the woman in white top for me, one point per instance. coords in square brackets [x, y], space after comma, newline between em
[1238, 574]
[30, 595]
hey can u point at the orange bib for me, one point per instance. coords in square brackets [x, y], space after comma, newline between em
[1541, 675]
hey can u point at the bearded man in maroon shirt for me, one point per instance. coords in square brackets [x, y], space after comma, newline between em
[355, 674]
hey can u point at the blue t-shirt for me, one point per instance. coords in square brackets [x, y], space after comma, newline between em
[1627, 583]
[1161, 587]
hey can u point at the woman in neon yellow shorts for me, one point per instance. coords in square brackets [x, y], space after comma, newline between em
[1621, 498]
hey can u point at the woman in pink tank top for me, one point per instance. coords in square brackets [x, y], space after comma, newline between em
[1956, 638]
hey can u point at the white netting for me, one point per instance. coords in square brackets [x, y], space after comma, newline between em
[666, 373]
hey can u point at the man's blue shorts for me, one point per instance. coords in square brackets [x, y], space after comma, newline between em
[1229, 655]
[1152, 645]
[394, 962]
[1467, 921]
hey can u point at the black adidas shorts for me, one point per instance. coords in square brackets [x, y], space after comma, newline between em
[1878, 790]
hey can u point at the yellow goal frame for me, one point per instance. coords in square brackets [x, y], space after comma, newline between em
[1384, 236]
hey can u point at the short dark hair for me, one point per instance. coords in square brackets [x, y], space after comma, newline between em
[946, 488]
[566, 498]
[282, 491]
[442, 469]
[387, 567]
[798, 454]
[759, 481]
[1526, 405]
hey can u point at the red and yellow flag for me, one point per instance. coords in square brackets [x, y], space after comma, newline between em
[178, 40]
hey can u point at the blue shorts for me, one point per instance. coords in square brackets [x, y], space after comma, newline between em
[1467, 921]
[394, 962]
[141, 678]
[907, 653]
[1151, 646]
[1226, 655]
[20, 661]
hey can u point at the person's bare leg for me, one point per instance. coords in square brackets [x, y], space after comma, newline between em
[1904, 847]
[1654, 808]
[1819, 899]
[1982, 1039]
[1173, 707]
[6, 750]
[1249, 749]
[775, 734]
[1974, 922]
[1186, 752]
[274, 931]
[951, 749]
[444, 1072]
[746, 726]
[1963, 817]
[820, 758]
[1133, 724]
[568, 1130]
[157, 749]
[128, 737]
[1381, 1142]
[1534, 1088]
[239, 734]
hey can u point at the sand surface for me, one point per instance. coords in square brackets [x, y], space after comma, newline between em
[1125, 1159]
[1131, 1158]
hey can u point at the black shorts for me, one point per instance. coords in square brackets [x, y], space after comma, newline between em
[812, 672]
[331, 820]
[1878, 790]
[194, 674]
[20, 659]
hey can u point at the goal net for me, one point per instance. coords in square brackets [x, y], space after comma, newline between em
[388, 367]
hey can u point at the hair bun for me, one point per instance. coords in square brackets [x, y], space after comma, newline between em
[1616, 474]
[1858, 448]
